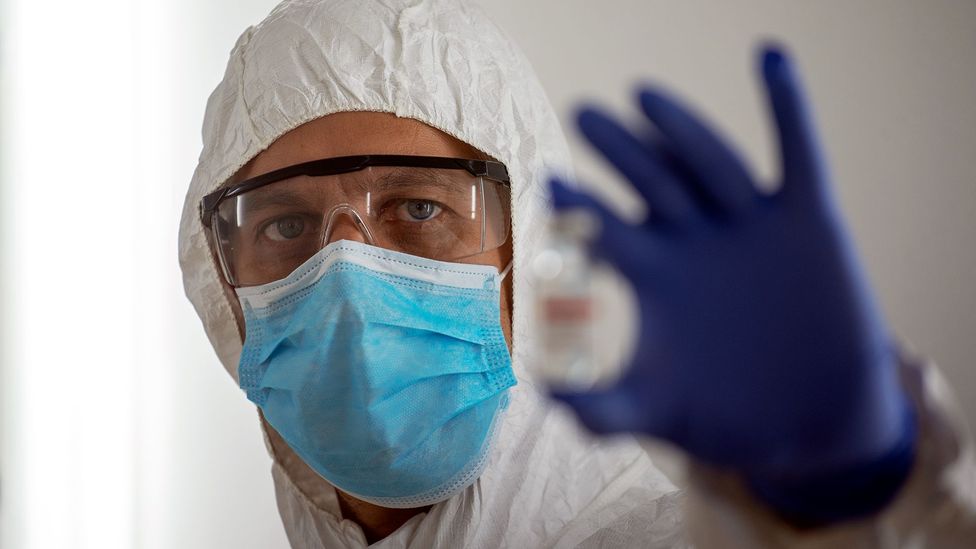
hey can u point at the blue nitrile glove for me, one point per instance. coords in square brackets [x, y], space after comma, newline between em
[761, 347]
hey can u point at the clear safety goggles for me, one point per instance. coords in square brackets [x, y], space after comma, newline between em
[438, 208]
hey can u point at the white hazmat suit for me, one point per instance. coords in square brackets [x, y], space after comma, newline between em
[547, 484]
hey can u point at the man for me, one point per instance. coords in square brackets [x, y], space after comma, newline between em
[357, 237]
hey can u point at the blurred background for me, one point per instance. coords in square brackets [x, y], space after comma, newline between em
[119, 428]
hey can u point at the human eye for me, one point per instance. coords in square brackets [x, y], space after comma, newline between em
[284, 228]
[417, 210]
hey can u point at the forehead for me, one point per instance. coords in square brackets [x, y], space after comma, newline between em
[353, 133]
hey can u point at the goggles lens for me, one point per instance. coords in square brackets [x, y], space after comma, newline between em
[444, 214]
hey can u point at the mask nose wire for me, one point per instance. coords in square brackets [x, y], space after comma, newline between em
[346, 209]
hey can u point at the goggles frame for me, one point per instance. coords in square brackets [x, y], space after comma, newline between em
[488, 169]
[209, 205]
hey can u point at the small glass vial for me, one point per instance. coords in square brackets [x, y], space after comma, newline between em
[564, 303]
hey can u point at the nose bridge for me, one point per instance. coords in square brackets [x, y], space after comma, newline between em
[343, 222]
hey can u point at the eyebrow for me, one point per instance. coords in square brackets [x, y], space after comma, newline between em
[423, 176]
[280, 198]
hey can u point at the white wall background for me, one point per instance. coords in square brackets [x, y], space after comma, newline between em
[118, 428]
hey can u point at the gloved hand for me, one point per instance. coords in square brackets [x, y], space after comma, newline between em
[761, 348]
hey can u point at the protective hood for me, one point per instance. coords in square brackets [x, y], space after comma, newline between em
[445, 64]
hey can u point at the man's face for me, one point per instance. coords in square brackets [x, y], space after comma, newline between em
[358, 133]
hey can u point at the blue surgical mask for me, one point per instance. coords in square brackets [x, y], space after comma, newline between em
[385, 372]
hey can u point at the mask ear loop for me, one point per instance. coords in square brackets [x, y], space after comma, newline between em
[505, 271]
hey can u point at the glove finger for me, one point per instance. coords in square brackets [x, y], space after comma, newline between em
[719, 171]
[668, 200]
[622, 244]
[801, 162]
